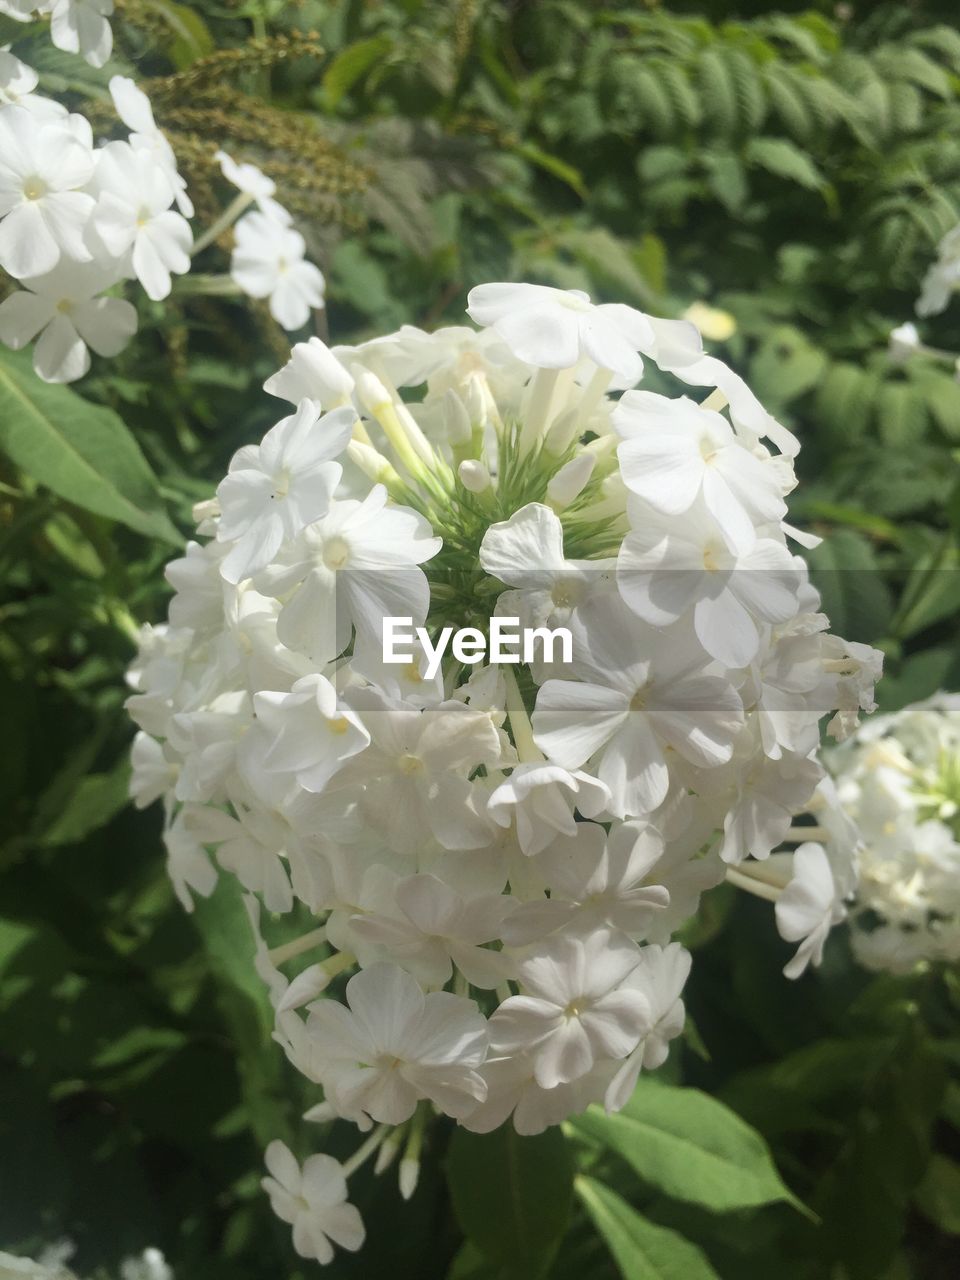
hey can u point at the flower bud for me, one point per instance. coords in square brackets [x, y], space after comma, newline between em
[570, 481]
[474, 476]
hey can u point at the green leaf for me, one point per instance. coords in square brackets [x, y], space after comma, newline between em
[784, 159]
[855, 597]
[350, 64]
[642, 1250]
[80, 451]
[512, 1195]
[95, 800]
[691, 1147]
[553, 164]
[938, 1196]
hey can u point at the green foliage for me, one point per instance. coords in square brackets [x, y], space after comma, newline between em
[689, 1146]
[512, 1196]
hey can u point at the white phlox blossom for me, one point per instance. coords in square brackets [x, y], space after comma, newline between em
[269, 261]
[898, 780]
[76, 219]
[76, 26]
[495, 853]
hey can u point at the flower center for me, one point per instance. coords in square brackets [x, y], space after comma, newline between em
[338, 725]
[566, 594]
[639, 700]
[711, 557]
[336, 553]
[708, 449]
[34, 187]
[410, 765]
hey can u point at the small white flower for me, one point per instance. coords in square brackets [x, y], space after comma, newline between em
[133, 217]
[661, 975]
[81, 26]
[42, 211]
[17, 80]
[554, 328]
[276, 488]
[269, 262]
[576, 1006]
[313, 372]
[133, 108]
[64, 308]
[248, 179]
[392, 1045]
[808, 907]
[313, 1199]
[311, 733]
[541, 797]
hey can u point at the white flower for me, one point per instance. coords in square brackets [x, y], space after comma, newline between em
[275, 489]
[313, 372]
[249, 180]
[668, 568]
[639, 693]
[553, 328]
[904, 342]
[17, 80]
[64, 308]
[269, 262]
[42, 211]
[433, 928]
[526, 552]
[595, 880]
[576, 1006]
[81, 26]
[311, 733]
[313, 1199]
[808, 907]
[353, 568]
[417, 768]
[188, 865]
[541, 797]
[149, 1265]
[416, 818]
[133, 217]
[674, 451]
[133, 108]
[392, 1045]
[661, 975]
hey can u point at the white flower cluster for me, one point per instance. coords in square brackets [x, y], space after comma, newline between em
[78, 219]
[76, 26]
[502, 853]
[269, 258]
[898, 778]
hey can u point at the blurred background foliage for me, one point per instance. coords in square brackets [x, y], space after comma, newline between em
[791, 167]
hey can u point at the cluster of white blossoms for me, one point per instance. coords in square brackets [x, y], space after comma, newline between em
[898, 779]
[495, 857]
[78, 219]
[269, 258]
[76, 26]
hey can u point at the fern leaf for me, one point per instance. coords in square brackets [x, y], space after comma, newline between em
[790, 104]
[717, 93]
[749, 88]
[785, 160]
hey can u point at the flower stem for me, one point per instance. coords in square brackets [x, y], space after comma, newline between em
[520, 726]
[229, 216]
[759, 888]
[279, 955]
[365, 1150]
